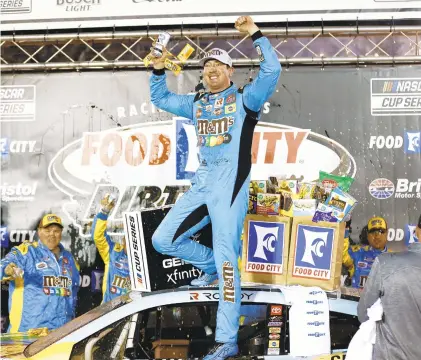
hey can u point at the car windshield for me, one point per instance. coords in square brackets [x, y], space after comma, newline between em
[75, 324]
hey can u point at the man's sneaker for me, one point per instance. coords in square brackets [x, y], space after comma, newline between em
[222, 351]
[204, 280]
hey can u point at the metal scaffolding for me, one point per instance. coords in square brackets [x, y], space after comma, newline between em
[344, 45]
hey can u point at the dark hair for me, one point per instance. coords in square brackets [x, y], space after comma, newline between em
[364, 236]
[419, 222]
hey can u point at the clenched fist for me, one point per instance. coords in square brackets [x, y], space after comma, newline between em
[12, 271]
[246, 24]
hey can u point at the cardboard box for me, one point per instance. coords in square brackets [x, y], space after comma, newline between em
[315, 257]
[265, 249]
[173, 349]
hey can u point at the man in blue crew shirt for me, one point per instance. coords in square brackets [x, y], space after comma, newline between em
[225, 118]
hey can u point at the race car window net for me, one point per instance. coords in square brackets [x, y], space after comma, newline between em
[75, 324]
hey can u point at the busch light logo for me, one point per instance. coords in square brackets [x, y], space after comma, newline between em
[412, 142]
[313, 252]
[265, 248]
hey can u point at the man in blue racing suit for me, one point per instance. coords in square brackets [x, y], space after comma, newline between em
[225, 119]
[360, 258]
[116, 280]
[44, 280]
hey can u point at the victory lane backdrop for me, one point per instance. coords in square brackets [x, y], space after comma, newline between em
[335, 104]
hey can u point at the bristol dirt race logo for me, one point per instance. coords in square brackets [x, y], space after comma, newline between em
[150, 165]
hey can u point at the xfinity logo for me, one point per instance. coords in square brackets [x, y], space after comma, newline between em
[181, 275]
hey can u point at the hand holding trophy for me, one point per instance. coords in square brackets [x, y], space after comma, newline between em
[159, 55]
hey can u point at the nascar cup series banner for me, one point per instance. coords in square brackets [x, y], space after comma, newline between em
[50, 14]
[67, 139]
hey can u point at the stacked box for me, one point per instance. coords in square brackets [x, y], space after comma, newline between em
[265, 249]
[315, 256]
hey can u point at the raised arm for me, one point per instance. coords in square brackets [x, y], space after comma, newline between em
[262, 87]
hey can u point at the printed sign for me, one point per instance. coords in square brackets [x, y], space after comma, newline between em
[265, 247]
[396, 97]
[17, 103]
[313, 252]
[138, 263]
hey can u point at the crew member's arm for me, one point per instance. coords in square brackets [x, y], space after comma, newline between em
[162, 98]
[259, 91]
[347, 259]
[12, 261]
[372, 291]
[102, 241]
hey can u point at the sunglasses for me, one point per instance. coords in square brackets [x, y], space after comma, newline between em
[378, 231]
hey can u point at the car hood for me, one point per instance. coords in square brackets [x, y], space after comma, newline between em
[12, 345]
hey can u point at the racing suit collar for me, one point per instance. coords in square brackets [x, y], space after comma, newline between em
[42, 246]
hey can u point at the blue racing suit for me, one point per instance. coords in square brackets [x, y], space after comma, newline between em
[225, 123]
[359, 260]
[46, 294]
[116, 279]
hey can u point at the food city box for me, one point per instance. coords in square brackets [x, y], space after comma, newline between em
[315, 256]
[265, 249]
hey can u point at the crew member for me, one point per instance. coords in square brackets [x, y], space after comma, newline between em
[359, 258]
[44, 280]
[116, 280]
[225, 118]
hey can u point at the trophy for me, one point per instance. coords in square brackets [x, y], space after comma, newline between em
[157, 51]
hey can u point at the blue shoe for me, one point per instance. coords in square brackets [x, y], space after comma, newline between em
[222, 351]
[204, 280]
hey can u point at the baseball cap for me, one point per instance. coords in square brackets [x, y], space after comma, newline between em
[50, 219]
[376, 223]
[217, 54]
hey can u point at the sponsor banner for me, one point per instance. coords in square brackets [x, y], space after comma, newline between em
[138, 264]
[17, 102]
[313, 252]
[32, 14]
[409, 142]
[404, 189]
[265, 247]
[396, 97]
[213, 295]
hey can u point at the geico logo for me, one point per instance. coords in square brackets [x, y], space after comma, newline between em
[390, 142]
[395, 234]
[173, 262]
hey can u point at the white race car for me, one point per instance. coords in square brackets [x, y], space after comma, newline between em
[180, 324]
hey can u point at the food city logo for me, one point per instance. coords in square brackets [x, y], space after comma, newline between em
[8, 146]
[396, 97]
[313, 252]
[407, 235]
[384, 188]
[151, 164]
[16, 236]
[78, 5]
[18, 192]
[411, 142]
[265, 247]
[177, 275]
[16, 7]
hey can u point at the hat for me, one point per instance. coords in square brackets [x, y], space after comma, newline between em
[50, 219]
[376, 223]
[217, 54]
